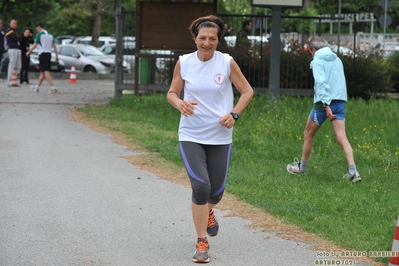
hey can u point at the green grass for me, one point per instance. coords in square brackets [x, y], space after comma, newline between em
[267, 137]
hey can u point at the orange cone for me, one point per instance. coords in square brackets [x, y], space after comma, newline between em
[14, 80]
[72, 78]
[395, 247]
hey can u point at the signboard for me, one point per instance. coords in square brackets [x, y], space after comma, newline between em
[282, 3]
[385, 20]
[160, 28]
[358, 17]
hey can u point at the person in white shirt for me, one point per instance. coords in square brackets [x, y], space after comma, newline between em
[207, 119]
[45, 41]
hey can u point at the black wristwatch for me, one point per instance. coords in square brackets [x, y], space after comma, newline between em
[235, 116]
[325, 105]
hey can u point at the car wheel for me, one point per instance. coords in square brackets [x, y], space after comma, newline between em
[90, 69]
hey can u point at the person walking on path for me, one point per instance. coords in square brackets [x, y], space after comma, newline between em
[330, 96]
[45, 41]
[26, 41]
[208, 116]
[13, 42]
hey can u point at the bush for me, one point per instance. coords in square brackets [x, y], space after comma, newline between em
[392, 66]
[365, 74]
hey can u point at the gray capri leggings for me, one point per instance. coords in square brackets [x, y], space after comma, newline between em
[206, 167]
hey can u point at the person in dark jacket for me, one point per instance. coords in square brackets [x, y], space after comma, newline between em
[26, 41]
[13, 41]
[242, 35]
[243, 44]
[2, 49]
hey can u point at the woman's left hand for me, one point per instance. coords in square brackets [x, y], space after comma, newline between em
[227, 121]
[329, 113]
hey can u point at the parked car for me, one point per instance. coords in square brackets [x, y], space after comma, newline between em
[102, 40]
[231, 40]
[34, 63]
[64, 39]
[129, 54]
[342, 50]
[129, 38]
[87, 58]
[128, 51]
[161, 63]
[387, 49]
[54, 67]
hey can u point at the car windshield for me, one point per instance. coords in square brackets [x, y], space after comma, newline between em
[89, 50]
[109, 50]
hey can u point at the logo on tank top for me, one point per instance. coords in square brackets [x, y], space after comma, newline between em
[219, 78]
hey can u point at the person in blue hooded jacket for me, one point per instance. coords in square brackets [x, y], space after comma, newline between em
[330, 96]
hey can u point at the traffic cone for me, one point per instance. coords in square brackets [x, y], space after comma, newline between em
[14, 80]
[72, 78]
[395, 247]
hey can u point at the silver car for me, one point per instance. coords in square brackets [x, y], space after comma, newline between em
[128, 52]
[87, 58]
[161, 63]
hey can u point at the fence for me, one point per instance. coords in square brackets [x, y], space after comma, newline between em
[156, 68]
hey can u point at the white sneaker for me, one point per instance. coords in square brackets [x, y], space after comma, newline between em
[294, 168]
[354, 178]
[35, 88]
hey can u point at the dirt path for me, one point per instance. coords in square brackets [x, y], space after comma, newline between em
[151, 162]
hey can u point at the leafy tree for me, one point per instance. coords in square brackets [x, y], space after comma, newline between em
[359, 6]
[25, 12]
[96, 17]
[84, 17]
[65, 17]
[242, 7]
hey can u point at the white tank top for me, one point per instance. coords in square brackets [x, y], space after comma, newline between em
[208, 84]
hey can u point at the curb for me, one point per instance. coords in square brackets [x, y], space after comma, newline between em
[83, 76]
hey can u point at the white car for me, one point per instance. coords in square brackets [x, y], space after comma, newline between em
[102, 40]
[342, 50]
[388, 49]
[161, 63]
[231, 40]
[87, 58]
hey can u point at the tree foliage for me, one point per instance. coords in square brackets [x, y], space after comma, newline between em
[26, 12]
[242, 7]
[63, 17]
[96, 17]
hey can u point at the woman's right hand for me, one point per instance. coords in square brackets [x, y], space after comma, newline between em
[186, 108]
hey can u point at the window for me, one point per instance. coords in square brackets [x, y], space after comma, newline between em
[69, 51]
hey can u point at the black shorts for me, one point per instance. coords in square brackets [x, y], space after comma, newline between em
[45, 62]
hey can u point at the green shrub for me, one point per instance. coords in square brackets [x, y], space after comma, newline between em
[392, 66]
[365, 76]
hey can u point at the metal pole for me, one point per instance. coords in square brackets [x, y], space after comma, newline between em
[274, 80]
[266, 27]
[118, 54]
[354, 62]
[385, 23]
[339, 24]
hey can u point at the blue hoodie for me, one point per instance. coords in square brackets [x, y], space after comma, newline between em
[329, 77]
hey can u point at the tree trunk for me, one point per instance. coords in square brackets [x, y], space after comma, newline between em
[253, 20]
[95, 33]
[306, 4]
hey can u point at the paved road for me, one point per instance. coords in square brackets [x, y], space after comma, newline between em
[68, 198]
